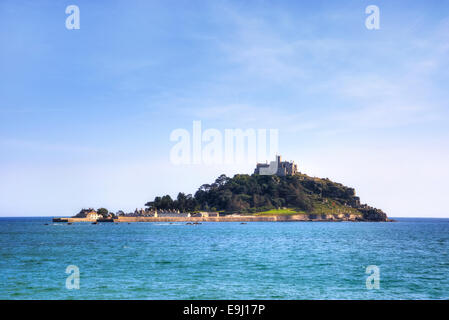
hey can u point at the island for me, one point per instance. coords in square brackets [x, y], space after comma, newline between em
[274, 192]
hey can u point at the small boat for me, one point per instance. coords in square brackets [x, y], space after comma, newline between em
[69, 223]
[95, 222]
[242, 222]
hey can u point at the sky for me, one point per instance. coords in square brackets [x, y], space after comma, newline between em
[86, 115]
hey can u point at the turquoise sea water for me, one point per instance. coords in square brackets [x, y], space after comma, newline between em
[259, 260]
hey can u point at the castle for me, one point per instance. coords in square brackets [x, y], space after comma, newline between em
[278, 167]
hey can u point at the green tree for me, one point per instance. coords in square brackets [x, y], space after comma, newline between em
[245, 193]
[103, 211]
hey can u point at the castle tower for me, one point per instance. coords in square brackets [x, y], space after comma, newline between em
[277, 167]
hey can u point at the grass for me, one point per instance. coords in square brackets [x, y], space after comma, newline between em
[330, 207]
[278, 212]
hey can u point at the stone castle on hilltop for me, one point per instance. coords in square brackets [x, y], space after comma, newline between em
[279, 168]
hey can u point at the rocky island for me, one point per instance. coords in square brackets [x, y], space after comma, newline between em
[275, 192]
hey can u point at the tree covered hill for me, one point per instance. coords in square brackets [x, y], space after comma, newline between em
[256, 194]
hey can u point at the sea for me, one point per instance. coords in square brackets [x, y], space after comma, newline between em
[407, 259]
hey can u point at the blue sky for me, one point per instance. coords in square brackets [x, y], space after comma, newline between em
[86, 115]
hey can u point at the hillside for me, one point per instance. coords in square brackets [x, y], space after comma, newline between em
[272, 195]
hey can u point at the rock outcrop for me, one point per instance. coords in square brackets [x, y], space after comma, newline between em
[373, 214]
